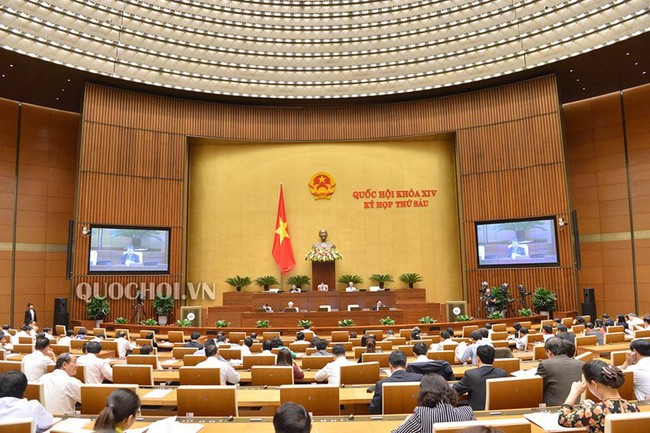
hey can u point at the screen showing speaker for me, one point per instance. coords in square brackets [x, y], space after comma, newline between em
[128, 250]
[517, 243]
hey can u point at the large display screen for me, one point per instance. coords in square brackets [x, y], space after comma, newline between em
[128, 250]
[517, 243]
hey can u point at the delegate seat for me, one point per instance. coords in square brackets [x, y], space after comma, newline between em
[364, 373]
[381, 358]
[319, 400]
[93, 397]
[399, 397]
[192, 360]
[271, 375]
[508, 364]
[513, 392]
[151, 360]
[199, 375]
[250, 360]
[315, 362]
[207, 400]
[627, 422]
[133, 374]
[19, 425]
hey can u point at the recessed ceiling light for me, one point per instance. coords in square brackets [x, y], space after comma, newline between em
[636, 63]
[68, 80]
[577, 79]
[570, 70]
[11, 66]
[627, 54]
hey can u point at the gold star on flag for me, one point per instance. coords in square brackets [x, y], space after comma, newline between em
[282, 230]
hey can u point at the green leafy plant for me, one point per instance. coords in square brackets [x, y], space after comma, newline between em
[136, 235]
[306, 323]
[387, 321]
[382, 279]
[346, 322]
[426, 319]
[347, 279]
[410, 279]
[163, 305]
[98, 308]
[544, 299]
[222, 324]
[264, 323]
[525, 312]
[266, 281]
[502, 298]
[298, 280]
[183, 323]
[463, 318]
[149, 322]
[121, 321]
[239, 282]
[495, 315]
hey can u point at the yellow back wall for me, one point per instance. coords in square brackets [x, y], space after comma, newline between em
[233, 199]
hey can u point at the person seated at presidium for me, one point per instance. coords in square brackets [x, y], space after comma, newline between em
[267, 308]
[322, 287]
[603, 381]
[436, 403]
[350, 287]
[379, 305]
[290, 307]
[13, 405]
[295, 289]
[515, 250]
[129, 257]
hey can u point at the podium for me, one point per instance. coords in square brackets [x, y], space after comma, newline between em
[323, 272]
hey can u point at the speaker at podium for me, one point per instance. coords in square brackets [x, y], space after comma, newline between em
[193, 313]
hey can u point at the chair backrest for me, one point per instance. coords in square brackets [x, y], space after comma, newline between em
[199, 375]
[381, 358]
[298, 347]
[513, 392]
[444, 355]
[397, 341]
[503, 352]
[145, 332]
[615, 329]
[269, 335]
[126, 331]
[642, 333]
[3, 355]
[143, 341]
[500, 344]
[176, 336]
[576, 329]
[406, 333]
[549, 322]
[508, 425]
[586, 340]
[192, 360]
[250, 360]
[539, 352]
[385, 345]
[636, 422]
[81, 371]
[97, 331]
[78, 344]
[626, 390]
[614, 337]
[340, 336]
[60, 330]
[18, 425]
[230, 353]
[59, 348]
[508, 364]
[271, 375]
[586, 356]
[378, 333]
[618, 357]
[535, 338]
[133, 374]
[315, 362]
[151, 360]
[110, 345]
[499, 327]
[207, 400]
[467, 330]
[236, 336]
[10, 365]
[360, 374]
[34, 391]
[319, 400]
[499, 336]
[26, 340]
[406, 348]
[93, 397]
[399, 397]
[180, 352]
[23, 348]
[527, 324]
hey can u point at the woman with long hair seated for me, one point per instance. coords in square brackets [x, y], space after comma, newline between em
[436, 403]
[284, 358]
[603, 380]
[122, 407]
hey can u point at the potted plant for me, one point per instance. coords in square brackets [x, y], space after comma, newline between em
[544, 301]
[381, 279]
[98, 309]
[525, 312]
[163, 306]
[410, 279]
[346, 322]
[347, 279]
[239, 282]
[305, 324]
[121, 321]
[266, 281]
[222, 324]
[149, 322]
[495, 316]
[264, 323]
[298, 280]
[184, 323]
[463, 318]
[387, 321]
[426, 319]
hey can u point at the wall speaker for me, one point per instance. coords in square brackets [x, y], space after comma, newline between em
[590, 295]
[60, 305]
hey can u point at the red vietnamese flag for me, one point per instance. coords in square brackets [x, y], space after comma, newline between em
[282, 251]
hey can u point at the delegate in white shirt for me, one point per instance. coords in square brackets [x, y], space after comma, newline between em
[332, 371]
[61, 392]
[96, 369]
[17, 408]
[641, 371]
[228, 374]
[35, 365]
[123, 345]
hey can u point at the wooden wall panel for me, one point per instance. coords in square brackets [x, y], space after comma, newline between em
[507, 135]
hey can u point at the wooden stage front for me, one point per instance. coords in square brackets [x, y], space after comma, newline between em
[407, 306]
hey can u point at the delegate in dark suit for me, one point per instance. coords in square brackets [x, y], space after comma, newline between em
[28, 315]
[558, 371]
[397, 376]
[473, 382]
[443, 368]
